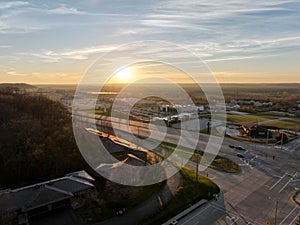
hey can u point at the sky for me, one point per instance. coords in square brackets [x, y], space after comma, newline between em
[241, 41]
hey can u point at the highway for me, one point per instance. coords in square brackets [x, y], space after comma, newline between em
[249, 197]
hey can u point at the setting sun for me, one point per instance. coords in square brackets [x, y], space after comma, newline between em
[124, 74]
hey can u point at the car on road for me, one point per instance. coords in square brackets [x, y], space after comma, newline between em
[240, 156]
[240, 148]
[174, 222]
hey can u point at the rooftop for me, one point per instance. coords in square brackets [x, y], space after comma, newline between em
[37, 195]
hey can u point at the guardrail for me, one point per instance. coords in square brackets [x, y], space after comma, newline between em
[185, 212]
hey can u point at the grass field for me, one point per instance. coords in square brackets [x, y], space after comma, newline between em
[247, 118]
[219, 163]
[289, 123]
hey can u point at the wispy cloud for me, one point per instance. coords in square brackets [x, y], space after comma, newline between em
[5, 46]
[64, 10]
[12, 4]
[73, 31]
[75, 54]
[23, 17]
[13, 72]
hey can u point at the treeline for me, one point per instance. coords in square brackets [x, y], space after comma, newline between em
[36, 140]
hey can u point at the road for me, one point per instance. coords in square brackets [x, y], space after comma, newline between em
[248, 197]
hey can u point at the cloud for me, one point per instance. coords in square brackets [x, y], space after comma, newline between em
[63, 10]
[35, 17]
[75, 54]
[15, 73]
[12, 4]
[5, 46]
[237, 30]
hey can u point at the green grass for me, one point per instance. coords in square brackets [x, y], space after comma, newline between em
[219, 163]
[246, 118]
[189, 193]
[289, 123]
[225, 165]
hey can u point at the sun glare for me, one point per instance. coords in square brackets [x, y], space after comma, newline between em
[124, 74]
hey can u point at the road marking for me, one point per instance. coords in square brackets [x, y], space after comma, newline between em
[284, 186]
[289, 214]
[235, 220]
[231, 213]
[218, 207]
[196, 215]
[295, 219]
[277, 182]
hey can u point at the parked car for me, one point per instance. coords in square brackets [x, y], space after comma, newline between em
[240, 148]
[231, 146]
[240, 155]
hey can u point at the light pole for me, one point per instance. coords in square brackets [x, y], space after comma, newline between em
[281, 140]
[197, 152]
[275, 222]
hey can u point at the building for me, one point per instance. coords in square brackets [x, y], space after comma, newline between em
[253, 102]
[177, 109]
[18, 206]
[222, 107]
[258, 130]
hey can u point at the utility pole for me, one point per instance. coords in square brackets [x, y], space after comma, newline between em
[281, 140]
[275, 222]
[196, 152]
[138, 137]
[208, 127]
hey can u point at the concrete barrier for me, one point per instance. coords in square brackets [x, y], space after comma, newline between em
[185, 212]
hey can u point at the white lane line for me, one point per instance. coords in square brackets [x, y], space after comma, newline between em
[277, 182]
[295, 219]
[284, 186]
[289, 214]
[196, 215]
[235, 220]
[232, 214]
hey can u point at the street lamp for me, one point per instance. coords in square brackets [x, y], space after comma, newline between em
[281, 140]
[197, 152]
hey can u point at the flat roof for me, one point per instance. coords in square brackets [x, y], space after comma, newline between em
[37, 195]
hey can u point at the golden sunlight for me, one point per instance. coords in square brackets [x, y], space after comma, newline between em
[124, 74]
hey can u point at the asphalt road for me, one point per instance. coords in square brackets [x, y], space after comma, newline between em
[251, 196]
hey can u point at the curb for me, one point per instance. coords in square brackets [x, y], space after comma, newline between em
[179, 216]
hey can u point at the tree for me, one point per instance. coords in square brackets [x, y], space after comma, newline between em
[36, 140]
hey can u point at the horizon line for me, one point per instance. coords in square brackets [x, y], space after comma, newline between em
[39, 84]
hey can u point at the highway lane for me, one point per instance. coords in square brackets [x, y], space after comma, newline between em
[250, 196]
